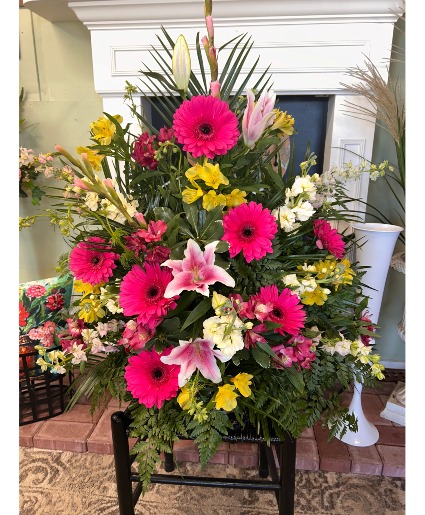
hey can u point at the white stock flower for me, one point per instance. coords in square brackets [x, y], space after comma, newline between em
[285, 217]
[291, 280]
[113, 307]
[92, 200]
[307, 284]
[303, 211]
[225, 332]
[343, 347]
[304, 186]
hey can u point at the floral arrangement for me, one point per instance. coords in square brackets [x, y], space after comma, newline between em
[212, 287]
[31, 167]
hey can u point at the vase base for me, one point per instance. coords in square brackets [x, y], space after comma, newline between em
[366, 436]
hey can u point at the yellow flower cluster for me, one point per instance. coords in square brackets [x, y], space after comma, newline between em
[103, 129]
[310, 284]
[90, 303]
[212, 177]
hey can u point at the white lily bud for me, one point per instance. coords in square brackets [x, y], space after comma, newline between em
[181, 64]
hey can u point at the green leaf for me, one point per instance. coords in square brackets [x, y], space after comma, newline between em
[260, 357]
[296, 379]
[266, 348]
[192, 215]
[199, 311]
[222, 246]
[163, 213]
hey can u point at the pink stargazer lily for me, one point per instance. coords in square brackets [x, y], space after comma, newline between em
[196, 271]
[257, 116]
[198, 354]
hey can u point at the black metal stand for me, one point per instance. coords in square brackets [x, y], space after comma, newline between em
[282, 482]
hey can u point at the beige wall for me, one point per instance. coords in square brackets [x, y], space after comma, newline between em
[56, 72]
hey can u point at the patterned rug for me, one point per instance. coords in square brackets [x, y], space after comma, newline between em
[66, 483]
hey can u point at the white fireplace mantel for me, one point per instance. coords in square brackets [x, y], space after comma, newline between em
[309, 44]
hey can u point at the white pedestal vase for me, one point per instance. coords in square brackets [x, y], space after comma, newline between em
[367, 433]
[376, 246]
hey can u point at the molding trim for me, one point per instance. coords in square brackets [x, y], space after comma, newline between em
[138, 13]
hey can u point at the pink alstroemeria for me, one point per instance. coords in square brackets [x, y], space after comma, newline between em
[257, 116]
[198, 354]
[196, 271]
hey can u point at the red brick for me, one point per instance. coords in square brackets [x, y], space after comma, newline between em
[241, 459]
[393, 459]
[80, 413]
[382, 388]
[307, 454]
[63, 436]
[365, 460]
[186, 450]
[100, 441]
[27, 432]
[308, 432]
[334, 455]
[243, 454]
[392, 435]
[114, 402]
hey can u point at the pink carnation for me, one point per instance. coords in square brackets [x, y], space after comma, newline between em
[205, 125]
[144, 151]
[328, 238]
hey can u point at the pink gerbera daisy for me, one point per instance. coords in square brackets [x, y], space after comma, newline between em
[287, 309]
[91, 262]
[205, 125]
[249, 228]
[150, 380]
[142, 293]
[328, 238]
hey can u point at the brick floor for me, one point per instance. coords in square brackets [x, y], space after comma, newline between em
[79, 431]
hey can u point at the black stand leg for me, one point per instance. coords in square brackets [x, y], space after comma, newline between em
[119, 425]
[263, 469]
[287, 458]
[168, 462]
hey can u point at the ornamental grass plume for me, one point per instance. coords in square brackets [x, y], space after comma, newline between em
[388, 111]
[209, 288]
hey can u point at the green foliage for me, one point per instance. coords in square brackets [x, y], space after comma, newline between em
[208, 434]
[156, 431]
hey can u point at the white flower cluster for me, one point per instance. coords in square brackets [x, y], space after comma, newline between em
[299, 203]
[328, 183]
[358, 350]
[226, 332]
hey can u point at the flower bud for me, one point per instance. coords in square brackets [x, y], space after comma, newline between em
[181, 64]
